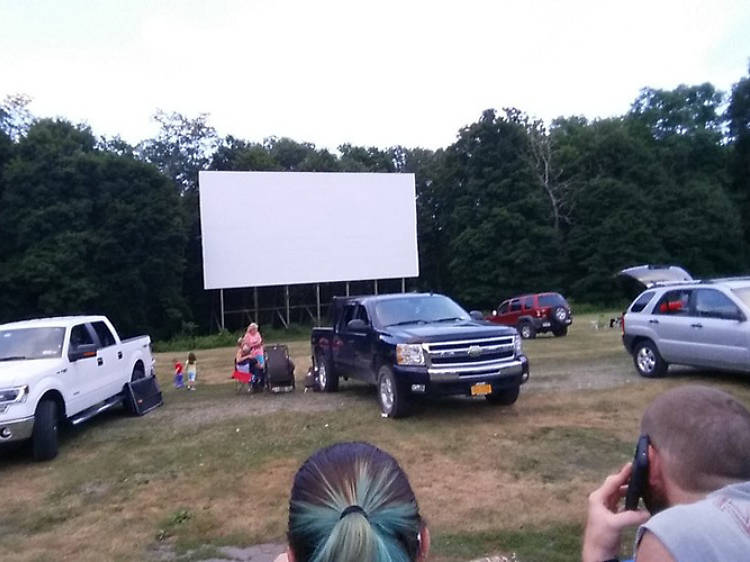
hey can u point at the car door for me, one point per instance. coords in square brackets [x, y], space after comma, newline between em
[343, 344]
[110, 360]
[81, 376]
[514, 312]
[670, 320]
[499, 315]
[718, 332]
[363, 342]
[529, 309]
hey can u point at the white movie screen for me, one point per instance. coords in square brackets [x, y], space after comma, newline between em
[284, 228]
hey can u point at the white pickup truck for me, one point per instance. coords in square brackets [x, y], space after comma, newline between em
[58, 369]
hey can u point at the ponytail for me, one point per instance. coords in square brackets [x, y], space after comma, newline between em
[352, 502]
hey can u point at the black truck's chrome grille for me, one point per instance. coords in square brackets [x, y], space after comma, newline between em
[469, 356]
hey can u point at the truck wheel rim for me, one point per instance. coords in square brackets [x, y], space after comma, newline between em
[646, 360]
[525, 332]
[561, 314]
[386, 394]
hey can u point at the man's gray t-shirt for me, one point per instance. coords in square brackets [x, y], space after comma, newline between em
[714, 528]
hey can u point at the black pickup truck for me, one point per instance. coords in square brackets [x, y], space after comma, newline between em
[414, 343]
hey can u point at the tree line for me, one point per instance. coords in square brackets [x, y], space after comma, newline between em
[93, 224]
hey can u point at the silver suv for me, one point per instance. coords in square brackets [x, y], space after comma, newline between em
[687, 322]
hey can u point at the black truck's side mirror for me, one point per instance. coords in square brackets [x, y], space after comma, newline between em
[82, 351]
[476, 315]
[356, 325]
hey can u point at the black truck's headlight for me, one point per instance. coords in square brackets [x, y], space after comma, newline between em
[518, 345]
[409, 354]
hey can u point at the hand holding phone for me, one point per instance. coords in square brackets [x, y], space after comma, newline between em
[638, 475]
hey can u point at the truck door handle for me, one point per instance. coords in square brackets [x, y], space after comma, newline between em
[99, 361]
[653, 321]
[696, 325]
[119, 354]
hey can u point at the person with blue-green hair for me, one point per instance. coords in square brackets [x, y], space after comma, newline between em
[352, 502]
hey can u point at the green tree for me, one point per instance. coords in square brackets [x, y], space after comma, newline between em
[500, 236]
[738, 117]
[89, 232]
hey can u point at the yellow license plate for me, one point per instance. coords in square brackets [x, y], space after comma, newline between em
[480, 389]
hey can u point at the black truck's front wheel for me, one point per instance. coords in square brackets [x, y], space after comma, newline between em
[394, 400]
[328, 381]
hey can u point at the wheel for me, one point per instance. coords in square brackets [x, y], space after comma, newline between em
[328, 381]
[44, 434]
[560, 332]
[527, 331]
[559, 315]
[394, 401]
[138, 374]
[504, 397]
[647, 360]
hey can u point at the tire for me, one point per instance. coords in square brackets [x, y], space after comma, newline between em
[393, 398]
[44, 435]
[560, 332]
[504, 397]
[527, 330]
[559, 315]
[647, 360]
[138, 374]
[328, 381]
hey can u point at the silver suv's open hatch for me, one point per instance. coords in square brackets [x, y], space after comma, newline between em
[650, 275]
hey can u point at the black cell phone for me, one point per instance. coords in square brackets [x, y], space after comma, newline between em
[639, 474]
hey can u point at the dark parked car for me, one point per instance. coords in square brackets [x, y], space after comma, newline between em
[534, 314]
[410, 344]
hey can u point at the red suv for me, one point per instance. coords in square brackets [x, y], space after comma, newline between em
[534, 314]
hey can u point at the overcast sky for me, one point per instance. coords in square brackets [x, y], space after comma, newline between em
[372, 73]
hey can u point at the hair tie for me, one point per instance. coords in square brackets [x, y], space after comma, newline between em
[353, 509]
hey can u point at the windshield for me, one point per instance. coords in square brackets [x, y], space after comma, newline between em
[31, 343]
[418, 309]
[743, 294]
[552, 299]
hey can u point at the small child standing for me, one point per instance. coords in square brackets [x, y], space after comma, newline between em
[192, 370]
[178, 378]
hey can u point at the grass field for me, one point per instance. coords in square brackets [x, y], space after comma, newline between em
[214, 468]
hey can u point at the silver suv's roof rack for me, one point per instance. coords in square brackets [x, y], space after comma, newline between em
[700, 281]
[670, 283]
[727, 279]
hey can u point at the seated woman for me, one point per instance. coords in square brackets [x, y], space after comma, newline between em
[246, 369]
[352, 502]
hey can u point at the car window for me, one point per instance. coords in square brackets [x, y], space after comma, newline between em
[503, 308]
[79, 335]
[552, 299]
[31, 343]
[710, 303]
[361, 313]
[528, 302]
[347, 315]
[515, 305]
[674, 303]
[640, 303]
[105, 334]
[743, 293]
